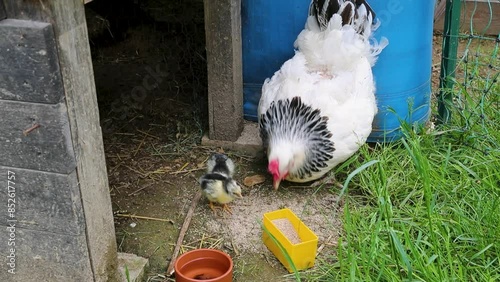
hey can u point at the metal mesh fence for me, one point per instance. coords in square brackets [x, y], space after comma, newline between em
[468, 98]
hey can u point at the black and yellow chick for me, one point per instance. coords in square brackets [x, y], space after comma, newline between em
[218, 185]
[219, 189]
[220, 164]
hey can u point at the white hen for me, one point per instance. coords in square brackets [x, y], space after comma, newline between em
[318, 109]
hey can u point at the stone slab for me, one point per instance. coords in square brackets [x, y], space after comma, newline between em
[47, 148]
[29, 65]
[43, 256]
[42, 201]
[136, 267]
[248, 142]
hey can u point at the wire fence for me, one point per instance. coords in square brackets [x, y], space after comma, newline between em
[469, 91]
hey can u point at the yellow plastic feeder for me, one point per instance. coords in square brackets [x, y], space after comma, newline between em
[302, 254]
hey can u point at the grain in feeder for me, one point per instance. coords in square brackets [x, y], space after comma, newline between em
[289, 239]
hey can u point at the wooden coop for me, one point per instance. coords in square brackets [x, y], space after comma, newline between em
[60, 220]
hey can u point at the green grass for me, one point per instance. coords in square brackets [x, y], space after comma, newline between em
[428, 207]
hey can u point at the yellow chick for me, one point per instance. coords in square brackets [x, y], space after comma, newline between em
[218, 188]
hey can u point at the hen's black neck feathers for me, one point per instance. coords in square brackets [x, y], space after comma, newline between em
[294, 122]
[323, 10]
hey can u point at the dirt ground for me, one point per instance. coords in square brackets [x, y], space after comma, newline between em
[151, 84]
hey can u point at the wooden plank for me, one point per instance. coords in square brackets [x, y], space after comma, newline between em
[224, 62]
[68, 20]
[47, 148]
[29, 67]
[439, 10]
[78, 79]
[47, 202]
[45, 256]
[481, 15]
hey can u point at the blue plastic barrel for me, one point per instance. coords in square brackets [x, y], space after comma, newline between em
[402, 73]
[269, 29]
[403, 70]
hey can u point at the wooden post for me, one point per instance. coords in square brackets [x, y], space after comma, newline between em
[51, 140]
[224, 63]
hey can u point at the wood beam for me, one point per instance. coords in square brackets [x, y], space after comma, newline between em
[224, 63]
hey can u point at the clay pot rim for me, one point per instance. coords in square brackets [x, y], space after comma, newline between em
[206, 251]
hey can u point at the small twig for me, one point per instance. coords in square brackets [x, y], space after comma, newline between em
[144, 217]
[323, 245]
[147, 134]
[140, 145]
[157, 248]
[198, 240]
[234, 247]
[140, 189]
[183, 167]
[182, 233]
[136, 171]
[187, 170]
[217, 242]
[33, 127]
[202, 241]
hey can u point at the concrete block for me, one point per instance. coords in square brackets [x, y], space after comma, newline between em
[29, 65]
[248, 142]
[44, 201]
[136, 267]
[44, 256]
[47, 148]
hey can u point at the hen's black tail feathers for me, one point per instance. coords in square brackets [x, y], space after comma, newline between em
[349, 10]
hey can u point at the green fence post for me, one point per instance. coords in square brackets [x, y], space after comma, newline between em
[449, 58]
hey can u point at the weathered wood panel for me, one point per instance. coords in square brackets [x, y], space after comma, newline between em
[68, 21]
[45, 256]
[46, 148]
[78, 79]
[224, 62]
[29, 67]
[45, 201]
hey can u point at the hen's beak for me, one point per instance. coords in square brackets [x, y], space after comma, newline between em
[239, 195]
[276, 183]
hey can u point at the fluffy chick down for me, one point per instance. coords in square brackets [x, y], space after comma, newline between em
[217, 184]
[219, 189]
[220, 164]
